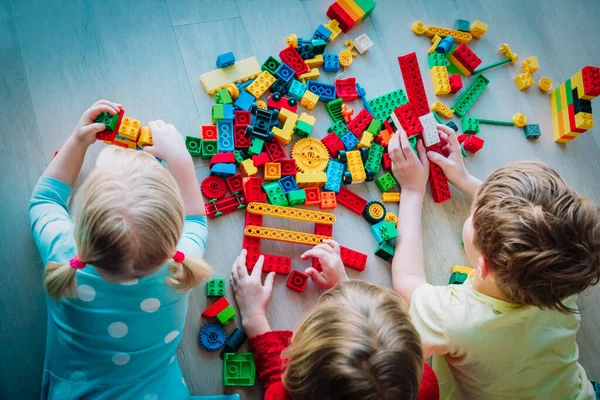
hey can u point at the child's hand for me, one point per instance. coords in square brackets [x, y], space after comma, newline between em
[251, 295]
[167, 143]
[86, 129]
[334, 272]
[410, 171]
[453, 164]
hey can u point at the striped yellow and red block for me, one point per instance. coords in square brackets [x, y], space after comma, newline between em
[131, 135]
[350, 12]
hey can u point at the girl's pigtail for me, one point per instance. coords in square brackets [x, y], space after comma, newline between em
[188, 272]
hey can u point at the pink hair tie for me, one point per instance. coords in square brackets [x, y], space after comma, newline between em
[179, 257]
[76, 263]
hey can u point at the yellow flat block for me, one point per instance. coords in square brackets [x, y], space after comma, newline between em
[434, 43]
[145, 138]
[316, 61]
[308, 179]
[282, 235]
[460, 37]
[309, 100]
[462, 269]
[297, 214]
[463, 70]
[584, 120]
[440, 80]
[241, 71]
[310, 75]
[390, 197]
[442, 109]
[261, 84]
[365, 140]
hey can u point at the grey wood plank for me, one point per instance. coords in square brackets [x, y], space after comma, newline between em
[193, 11]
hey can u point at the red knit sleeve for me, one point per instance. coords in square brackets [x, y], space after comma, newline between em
[429, 389]
[267, 350]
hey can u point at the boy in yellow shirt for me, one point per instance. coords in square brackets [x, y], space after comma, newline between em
[509, 331]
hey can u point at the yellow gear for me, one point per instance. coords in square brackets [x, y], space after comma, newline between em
[391, 217]
[261, 104]
[311, 155]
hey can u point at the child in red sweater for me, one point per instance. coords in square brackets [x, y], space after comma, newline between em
[357, 343]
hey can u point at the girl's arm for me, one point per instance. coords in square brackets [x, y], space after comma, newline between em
[169, 145]
[66, 165]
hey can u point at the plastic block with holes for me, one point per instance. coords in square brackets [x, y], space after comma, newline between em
[235, 183]
[278, 264]
[272, 171]
[288, 184]
[297, 281]
[335, 173]
[413, 83]
[346, 89]
[275, 150]
[260, 159]
[313, 196]
[209, 132]
[353, 259]
[333, 144]
[290, 57]
[360, 122]
[288, 167]
[297, 197]
[226, 140]
[325, 91]
[328, 201]
[351, 200]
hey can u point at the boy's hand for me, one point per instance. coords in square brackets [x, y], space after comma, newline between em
[328, 255]
[86, 129]
[167, 143]
[251, 295]
[453, 164]
[410, 171]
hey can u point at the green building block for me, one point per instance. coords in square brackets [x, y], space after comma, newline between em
[223, 97]
[386, 182]
[470, 95]
[256, 147]
[109, 121]
[384, 231]
[296, 197]
[413, 144]
[271, 64]
[226, 315]
[238, 369]
[385, 251]
[470, 125]
[437, 60]
[532, 131]
[457, 278]
[239, 156]
[339, 128]
[374, 157]
[383, 106]
[209, 148]
[215, 287]
[366, 5]
[334, 109]
[303, 129]
[193, 145]
[217, 113]
[275, 194]
[374, 127]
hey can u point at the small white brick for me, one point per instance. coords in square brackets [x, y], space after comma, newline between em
[362, 43]
[430, 132]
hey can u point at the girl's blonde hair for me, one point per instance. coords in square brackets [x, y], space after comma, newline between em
[358, 343]
[128, 222]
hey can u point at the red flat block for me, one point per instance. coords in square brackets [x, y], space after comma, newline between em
[335, 11]
[252, 246]
[313, 196]
[360, 122]
[110, 135]
[235, 183]
[346, 89]
[290, 56]
[440, 191]
[413, 83]
[353, 259]
[275, 150]
[253, 189]
[591, 80]
[297, 281]
[278, 264]
[253, 219]
[386, 162]
[208, 132]
[242, 117]
[222, 158]
[216, 308]
[333, 144]
[323, 229]
[288, 167]
[466, 57]
[351, 200]
[455, 83]
[240, 139]
[260, 159]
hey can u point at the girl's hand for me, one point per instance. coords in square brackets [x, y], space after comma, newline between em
[328, 255]
[167, 143]
[86, 129]
[251, 295]
[410, 171]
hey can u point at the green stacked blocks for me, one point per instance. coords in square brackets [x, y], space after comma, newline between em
[383, 106]
[437, 60]
[193, 145]
[217, 113]
[238, 369]
[470, 95]
[275, 194]
[109, 121]
[385, 182]
[385, 251]
[215, 287]
[223, 97]
[384, 231]
[374, 157]
[470, 125]
[271, 64]
[339, 128]
[209, 148]
[374, 127]
[297, 197]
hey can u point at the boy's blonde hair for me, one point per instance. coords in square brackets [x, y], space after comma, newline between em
[358, 343]
[541, 239]
[128, 223]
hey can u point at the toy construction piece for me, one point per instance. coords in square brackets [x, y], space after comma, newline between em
[261, 232]
[311, 155]
[374, 212]
[346, 55]
[212, 337]
[297, 214]
[213, 187]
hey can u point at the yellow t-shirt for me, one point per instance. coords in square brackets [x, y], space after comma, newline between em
[485, 348]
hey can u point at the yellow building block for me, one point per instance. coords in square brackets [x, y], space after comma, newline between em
[334, 26]
[308, 179]
[261, 84]
[562, 91]
[524, 80]
[390, 197]
[310, 75]
[356, 166]
[508, 53]
[311, 155]
[418, 28]
[289, 120]
[460, 37]
[309, 119]
[531, 65]
[316, 61]
[247, 168]
[239, 72]
[297, 214]
[442, 109]
[434, 43]
[353, 10]
[365, 140]
[283, 235]
[462, 269]
[309, 100]
[145, 138]
[545, 84]
[440, 80]
[584, 120]
[272, 171]
[463, 70]
[130, 129]
[478, 29]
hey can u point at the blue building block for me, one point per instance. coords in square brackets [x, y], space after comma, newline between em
[225, 138]
[224, 170]
[462, 25]
[350, 141]
[362, 93]
[297, 90]
[243, 85]
[322, 33]
[285, 72]
[228, 112]
[288, 184]
[318, 46]
[244, 101]
[225, 60]
[280, 86]
[325, 91]
[335, 172]
[306, 51]
[331, 63]
[445, 45]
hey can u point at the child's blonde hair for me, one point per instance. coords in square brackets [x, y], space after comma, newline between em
[358, 343]
[128, 222]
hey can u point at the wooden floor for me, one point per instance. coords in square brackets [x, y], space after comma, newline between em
[56, 58]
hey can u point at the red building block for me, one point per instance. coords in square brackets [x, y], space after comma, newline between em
[222, 158]
[386, 162]
[405, 114]
[297, 281]
[278, 264]
[324, 229]
[110, 135]
[346, 89]
[466, 57]
[333, 144]
[591, 81]
[353, 259]
[225, 206]
[208, 132]
[253, 219]
[275, 150]
[413, 83]
[473, 143]
[313, 196]
[252, 246]
[440, 191]
[351, 200]
[282, 103]
[240, 139]
[235, 183]
[461, 138]
[260, 159]
[455, 83]
[288, 167]
[335, 11]
[242, 117]
[216, 308]
[360, 122]
[253, 189]
[290, 56]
